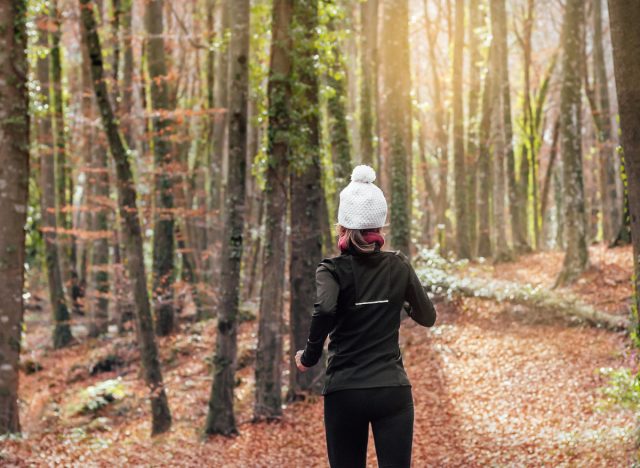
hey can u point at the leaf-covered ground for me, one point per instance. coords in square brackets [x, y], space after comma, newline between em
[493, 385]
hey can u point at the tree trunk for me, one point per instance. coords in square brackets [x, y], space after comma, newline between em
[163, 235]
[463, 245]
[337, 109]
[14, 186]
[219, 132]
[546, 185]
[63, 169]
[576, 257]
[161, 417]
[62, 328]
[472, 161]
[99, 181]
[221, 418]
[528, 156]
[624, 17]
[306, 197]
[607, 170]
[485, 161]
[501, 251]
[623, 237]
[368, 82]
[268, 400]
[442, 138]
[499, 30]
[397, 104]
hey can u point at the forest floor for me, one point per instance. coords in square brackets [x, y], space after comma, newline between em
[493, 385]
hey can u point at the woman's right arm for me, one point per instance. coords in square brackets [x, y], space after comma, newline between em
[422, 309]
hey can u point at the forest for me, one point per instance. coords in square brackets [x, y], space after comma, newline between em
[170, 174]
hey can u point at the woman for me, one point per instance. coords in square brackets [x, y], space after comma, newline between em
[360, 295]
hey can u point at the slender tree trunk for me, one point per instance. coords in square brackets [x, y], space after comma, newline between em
[485, 161]
[463, 246]
[306, 197]
[624, 232]
[63, 169]
[268, 400]
[161, 417]
[397, 104]
[121, 283]
[369, 44]
[546, 184]
[219, 133]
[501, 144]
[472, 156]
[577, 256]
[99, 180]
[624, 18]
[221, 417]
[442, 138]
[528, 156]
[608, 193]
[62, 328]
[163, 235]
[499, 29]
[14, 186]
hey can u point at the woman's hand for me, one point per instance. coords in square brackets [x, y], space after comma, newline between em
[301, 367]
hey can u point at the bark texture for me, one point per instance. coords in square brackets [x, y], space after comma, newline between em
[484, 164]
[368, 83]
[624, 17]
[14, 184]
[163, 228]
[221, 417]
[610, 204]
[306, 195]
[463, 241]
[576, 257]
[396, 100]
[268, 399]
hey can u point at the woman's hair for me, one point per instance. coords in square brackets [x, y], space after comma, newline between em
[355, 237]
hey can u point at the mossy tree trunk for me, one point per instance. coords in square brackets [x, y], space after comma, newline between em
[484, 248]
[268, 398]
[337, 110]
[163, 228]
[14, 186]
[624, 18]
[396, 100]
[368, 83]
[307, 195]
[220, 418]
[609, 201]
[576, 257]
[127, 205]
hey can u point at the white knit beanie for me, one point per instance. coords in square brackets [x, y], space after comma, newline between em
[362, 204]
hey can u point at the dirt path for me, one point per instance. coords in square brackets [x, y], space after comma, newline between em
[489, 389]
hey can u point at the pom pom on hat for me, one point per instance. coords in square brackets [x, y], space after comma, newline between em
[362, 203]
[363, 173]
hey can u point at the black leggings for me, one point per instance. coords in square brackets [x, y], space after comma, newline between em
[347, 414]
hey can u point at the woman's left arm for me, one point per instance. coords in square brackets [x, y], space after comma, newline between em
[323, 318]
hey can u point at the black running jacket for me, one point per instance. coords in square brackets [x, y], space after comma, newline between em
[358, 304]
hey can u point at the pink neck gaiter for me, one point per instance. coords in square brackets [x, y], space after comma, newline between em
[370, 237]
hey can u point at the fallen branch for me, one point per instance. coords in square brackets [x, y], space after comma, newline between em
[436, 278]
